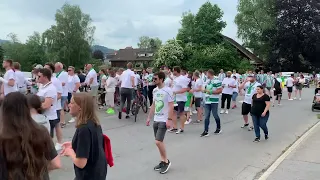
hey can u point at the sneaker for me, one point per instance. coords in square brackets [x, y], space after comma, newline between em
[256, 140]
[197, 122]
[245, 125]
[266, 136]
[294, 98]
[159, 166]
[63, 125]
[164, 169]
[195, 112]
[127, 116]
[300, 99]
[188, 121]
[290, 99]
[180, 131]
[110, 111]
[72, 120]
[227, 112]
[218, 131]
[205, 133]
[101, 107]
[250, 128]
[58, 146]
[190, 112]
[279, 104]
[222, 111]
[173, 130]
[120, 115]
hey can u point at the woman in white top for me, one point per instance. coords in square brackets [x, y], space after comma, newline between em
[235, 93]
[110, 87]
[73, 83]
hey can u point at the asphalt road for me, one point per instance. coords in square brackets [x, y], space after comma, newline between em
[232, 155]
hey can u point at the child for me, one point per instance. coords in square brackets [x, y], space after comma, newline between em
[34, 103]
[188, 104]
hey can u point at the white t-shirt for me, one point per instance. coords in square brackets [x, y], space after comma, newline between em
[63, 78]
[92, 74]
[49, 91]
[144, 80]
[228, 81]
[72, 80]
[111, 84]
[198, 84]
[250, 91]
[179, 83]
[136, 79]
[168, 82]
[103, 78]
[236, 89]
[289, 82]
[10, 74]
[126, 78]
[20, 80]
[57, 83]
[161, 99]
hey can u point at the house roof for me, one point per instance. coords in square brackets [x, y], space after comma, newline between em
[132, 54]
[242, 49]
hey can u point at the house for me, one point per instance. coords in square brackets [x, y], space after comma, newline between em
[136, 56]
[254, 60]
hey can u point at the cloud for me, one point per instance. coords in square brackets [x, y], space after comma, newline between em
[119, 23]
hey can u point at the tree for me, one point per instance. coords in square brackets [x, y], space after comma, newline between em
[170, 54]
[296, 40]
[145, 42]
[254, 20]
[97, 54]
[1, 53]
[70, 39]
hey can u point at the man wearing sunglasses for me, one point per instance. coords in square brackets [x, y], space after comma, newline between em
[162, 109]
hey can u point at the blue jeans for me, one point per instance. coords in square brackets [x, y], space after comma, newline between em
[208, 108]
[145, 91]
[260, 122]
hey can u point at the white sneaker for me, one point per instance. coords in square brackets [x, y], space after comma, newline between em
[227, 112]
[72, 120]
[195, 112]
[58, 146]
[190, 113]
[188, 121]
[222, 111]
[300, 99]
[294, 98]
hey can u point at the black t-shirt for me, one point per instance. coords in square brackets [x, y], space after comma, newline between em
[82, 78]
[3, 168]
[88, 143]
[259, 104]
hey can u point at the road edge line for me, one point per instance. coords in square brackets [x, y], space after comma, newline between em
[281, 158]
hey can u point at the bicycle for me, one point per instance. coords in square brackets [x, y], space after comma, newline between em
[140, 101]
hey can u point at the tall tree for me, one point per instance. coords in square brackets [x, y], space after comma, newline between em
[297, 37]
[169, 54]
[145, 42]
[97, 54]
[254, 20]
[70, 39]
[1, 53]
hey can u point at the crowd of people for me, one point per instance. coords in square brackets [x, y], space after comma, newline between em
[27, 126]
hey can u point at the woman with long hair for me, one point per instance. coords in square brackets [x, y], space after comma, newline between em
[87, 148]
[26, 149]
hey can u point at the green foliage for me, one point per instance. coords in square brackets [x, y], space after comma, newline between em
[170, 54]
[254, 20]
[146, 42]
[97, 54]
[1, 53]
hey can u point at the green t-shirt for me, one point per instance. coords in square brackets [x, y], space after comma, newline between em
[212, 85]
[189, 97]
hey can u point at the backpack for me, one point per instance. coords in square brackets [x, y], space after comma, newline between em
[277, 85]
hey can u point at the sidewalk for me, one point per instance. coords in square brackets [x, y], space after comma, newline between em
[303, 163]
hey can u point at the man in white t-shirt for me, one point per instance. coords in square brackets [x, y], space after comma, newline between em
[289, 84]
[197, 93]
[92, 81]
[228, 84]
[62, 76]
[57, 104]
[126, 89]
[250, 85]
[21, 80]
[180, 88]
[162, 109]
[9, 79]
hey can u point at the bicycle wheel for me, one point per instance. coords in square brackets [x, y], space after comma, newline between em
[144, 104]
[136, 113]
[133, 108]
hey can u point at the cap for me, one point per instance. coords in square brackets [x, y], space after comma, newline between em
[38, 66]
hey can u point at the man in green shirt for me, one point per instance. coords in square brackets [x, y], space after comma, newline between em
[212, 93]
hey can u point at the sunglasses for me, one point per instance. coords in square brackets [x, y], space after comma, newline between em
[155, 79]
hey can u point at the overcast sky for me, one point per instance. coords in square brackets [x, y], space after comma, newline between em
[119, 23]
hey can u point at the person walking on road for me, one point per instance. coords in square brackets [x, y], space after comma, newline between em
[260, 112]
[162, 109]
[228, 84]
[212, 94]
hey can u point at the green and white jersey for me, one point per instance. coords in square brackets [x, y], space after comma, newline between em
[161, 99]
[213, 85]
[270, 81]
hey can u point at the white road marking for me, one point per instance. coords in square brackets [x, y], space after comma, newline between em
[273, 167]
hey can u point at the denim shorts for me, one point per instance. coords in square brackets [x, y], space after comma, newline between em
[64, 100]
[234, 96]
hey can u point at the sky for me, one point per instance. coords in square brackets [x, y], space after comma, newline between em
[119, 23]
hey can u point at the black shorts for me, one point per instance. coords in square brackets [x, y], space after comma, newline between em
[53, 123]
[180, 107]
[197, 102]
[289, 89]
[246, 108]
[277, 92]
[159, 129]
